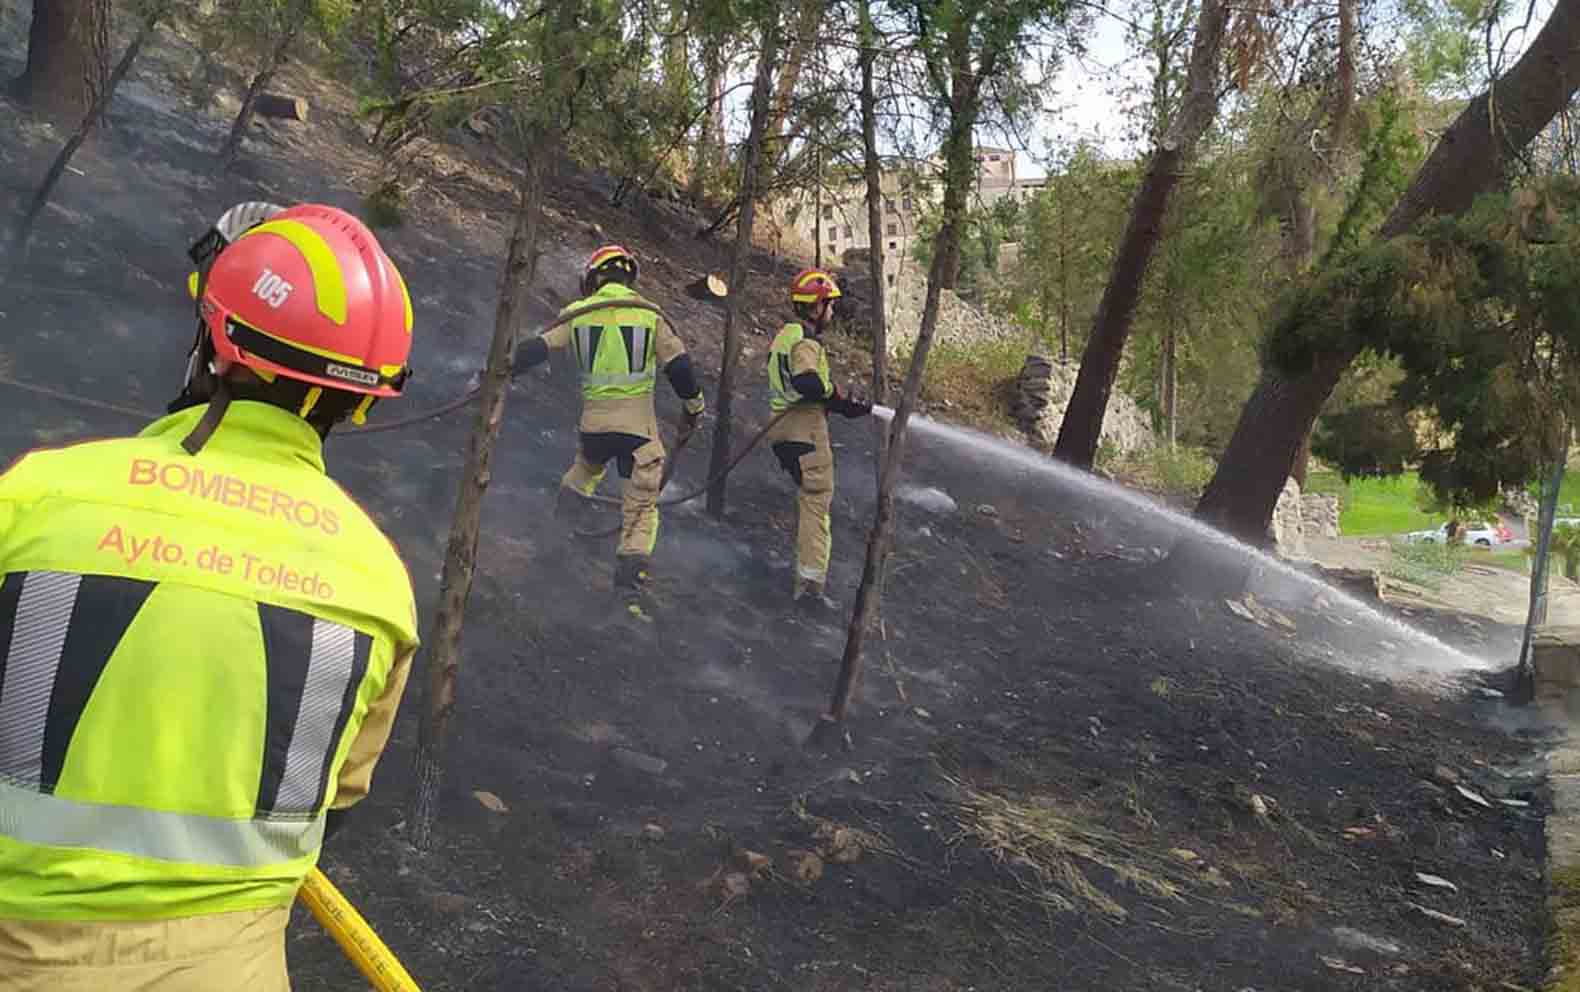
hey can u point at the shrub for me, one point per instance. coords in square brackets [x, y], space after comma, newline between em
[1180, 474]
[383, 206]
[1425, 564]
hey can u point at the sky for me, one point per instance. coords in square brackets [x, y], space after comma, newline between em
[1085, 98]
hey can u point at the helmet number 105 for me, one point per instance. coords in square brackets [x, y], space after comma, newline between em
[271, 289]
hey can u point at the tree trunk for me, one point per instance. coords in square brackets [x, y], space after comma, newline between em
[460, 562]
[1064, 279]
[740, 264]
[1083, 419]
[1344, 94]
[702, 162]
[90, 119]
[1275, 420]
[1170, 383]
[817, 216]
[68, 56]
[960, 171]
[873, 169]
[712, 144]
[260, 82]
[281, 106]
[1469, 159]
[1536, 612]
[800, 45]
[1301, 470]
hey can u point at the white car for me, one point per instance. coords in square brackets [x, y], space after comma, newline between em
[1483, 534]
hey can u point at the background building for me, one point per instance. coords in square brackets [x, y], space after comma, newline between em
[836, 216]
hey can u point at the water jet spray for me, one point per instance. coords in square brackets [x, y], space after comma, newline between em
[1432, 654]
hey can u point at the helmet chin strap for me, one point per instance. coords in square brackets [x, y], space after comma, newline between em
[218, 403]
[200, 373]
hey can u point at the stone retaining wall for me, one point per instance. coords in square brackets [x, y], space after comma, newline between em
[1042, 391]
[1319, 515]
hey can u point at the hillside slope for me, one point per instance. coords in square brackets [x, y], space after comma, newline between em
[1064, 776]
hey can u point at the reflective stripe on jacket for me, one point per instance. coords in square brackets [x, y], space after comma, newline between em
[616, 348]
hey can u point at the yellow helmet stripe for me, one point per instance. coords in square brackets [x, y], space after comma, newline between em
[404, 295]
[329, 284]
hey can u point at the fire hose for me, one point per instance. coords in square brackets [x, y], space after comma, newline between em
[361, 945]
[669, 470]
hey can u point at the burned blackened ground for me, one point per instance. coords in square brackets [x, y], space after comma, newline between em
[1062, 775]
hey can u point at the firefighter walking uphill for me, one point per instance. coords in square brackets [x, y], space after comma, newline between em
[619, 352]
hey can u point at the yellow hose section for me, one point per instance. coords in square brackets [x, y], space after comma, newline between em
[354, 936]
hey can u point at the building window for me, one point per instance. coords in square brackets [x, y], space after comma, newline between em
[992, 158]
[909, 205]
[847, 231]
[893, 245]
[888, 205]
[828, 212]
[891, 280]
[893, 229]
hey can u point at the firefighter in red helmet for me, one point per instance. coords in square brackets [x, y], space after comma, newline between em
[208, 639]
[802, 389]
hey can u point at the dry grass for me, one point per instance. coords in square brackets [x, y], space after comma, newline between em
[1048, 841]
[973, 385]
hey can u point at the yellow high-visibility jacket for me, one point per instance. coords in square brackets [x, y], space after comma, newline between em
[199, 655]
[792, 353]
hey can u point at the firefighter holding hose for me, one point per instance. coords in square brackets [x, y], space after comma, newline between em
[619, 351]
[203, 639]
[802, 393]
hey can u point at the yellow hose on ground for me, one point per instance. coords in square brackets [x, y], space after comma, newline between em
[376, 961]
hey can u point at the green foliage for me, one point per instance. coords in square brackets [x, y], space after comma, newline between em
[1326, 483]
[1108, 455]
[1568, 492]
[1478, 311]
[384, 206]
[1208, 288]
[1069, 231]
[1392, 153]
[1366, 441]
[245, 29]
[1443, 49]
[1516, 560]
[1423, 564]
[1180, 474]
[1566, 546]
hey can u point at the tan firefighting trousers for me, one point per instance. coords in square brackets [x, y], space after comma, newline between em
[241, 951]
[800, 441]
[625, 431]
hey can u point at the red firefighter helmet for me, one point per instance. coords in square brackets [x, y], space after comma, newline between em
[310, 295]
[609, 257]
[813, 285]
